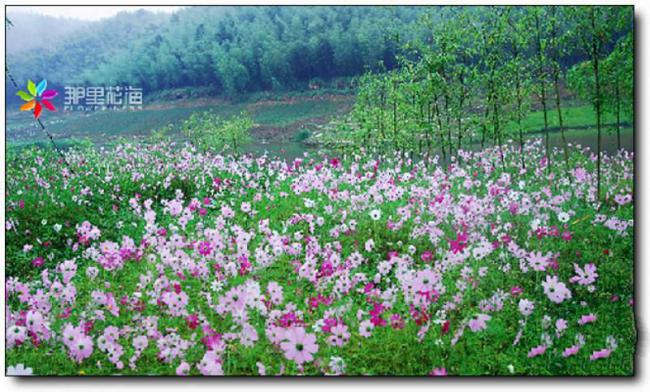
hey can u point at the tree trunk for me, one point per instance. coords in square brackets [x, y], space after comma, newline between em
[556, 83]
[594, 60]
[442, 137]
[497, 132]
[542, 81]
[558, 106]
[430, 130]
[483, 126]
[395, 117]
[618, 115]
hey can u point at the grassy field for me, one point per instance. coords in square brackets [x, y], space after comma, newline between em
[109, 126]
[582, 116]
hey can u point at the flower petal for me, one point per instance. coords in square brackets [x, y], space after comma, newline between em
[48, 105]
[41, 86]
[24, 95]
[49, 94]
[37, 110]
[31, 87]
[28, 106]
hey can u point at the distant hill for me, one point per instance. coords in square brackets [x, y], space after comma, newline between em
[228, 50]
[31, 31]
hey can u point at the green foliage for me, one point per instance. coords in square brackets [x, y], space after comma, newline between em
[230, 50]
[490, 351]
[481, 69]
[208, 130]
[161, 134]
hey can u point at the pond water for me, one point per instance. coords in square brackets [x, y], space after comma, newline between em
[582, 137]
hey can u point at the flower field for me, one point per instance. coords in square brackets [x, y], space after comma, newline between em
[147, 260]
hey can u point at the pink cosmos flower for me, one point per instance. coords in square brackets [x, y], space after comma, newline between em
[586, 276]
[622, 199]
[561, 325]
[210, 365]
[183, 369]
[537, 261]
[396, 321]
[573, 350]
[526, 307]
[536, 351]
[600, 354]
[478, 323]
[339, 335]
[459, 244]
[365, 328]
[555, 290]
[438, 372]
[15, 335]
[81, 348]
[299, 346]
[140, 342]
[588, 318]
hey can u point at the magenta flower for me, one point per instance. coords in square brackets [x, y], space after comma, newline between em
[38, 262]
[205, 248]
[438, 372]
[427, 256]
[192, 321]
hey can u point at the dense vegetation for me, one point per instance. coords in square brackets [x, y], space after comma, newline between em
[484, 68]
[402, 250]
[232, 50]
[153, 260]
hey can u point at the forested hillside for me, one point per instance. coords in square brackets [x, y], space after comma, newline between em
[230, 50]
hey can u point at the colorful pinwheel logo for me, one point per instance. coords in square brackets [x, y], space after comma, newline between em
[37, 97]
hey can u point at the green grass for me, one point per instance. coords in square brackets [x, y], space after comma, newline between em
[574, 117]
[104, 127]
[287, 114]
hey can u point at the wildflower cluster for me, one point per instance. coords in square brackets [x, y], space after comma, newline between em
[179, 262]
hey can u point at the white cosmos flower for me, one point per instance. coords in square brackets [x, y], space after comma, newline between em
[534, 224]
[563, 217]
[370, 245]
[19, 370]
